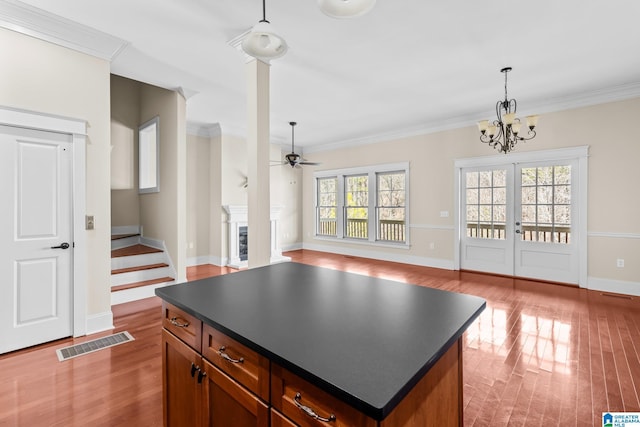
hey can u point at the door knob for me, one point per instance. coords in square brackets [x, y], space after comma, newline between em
[64, 245]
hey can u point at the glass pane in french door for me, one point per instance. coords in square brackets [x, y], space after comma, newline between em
[546, 204]
[486, 204]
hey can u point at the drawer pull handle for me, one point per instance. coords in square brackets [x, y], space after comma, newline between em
[225, 356]
[174, 322]
[310, 412]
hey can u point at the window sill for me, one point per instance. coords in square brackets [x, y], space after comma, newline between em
[393, 245]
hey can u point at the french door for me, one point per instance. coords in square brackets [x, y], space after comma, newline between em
[522, 219]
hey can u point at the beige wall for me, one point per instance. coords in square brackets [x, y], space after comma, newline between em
[163, 214]
[125, 120]
[199, 183]
[46, 78]
[613, 207]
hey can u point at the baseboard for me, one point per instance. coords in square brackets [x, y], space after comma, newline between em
[614, 286]
[292, 247]
[99, 322]
[444, 264]
[207, 259]
[125, 229]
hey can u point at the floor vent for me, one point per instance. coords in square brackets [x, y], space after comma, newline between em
[94, 345]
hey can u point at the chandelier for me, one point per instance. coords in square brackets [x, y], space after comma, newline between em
[504, 133]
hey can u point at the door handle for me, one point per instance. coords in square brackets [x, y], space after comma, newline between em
[64, 245]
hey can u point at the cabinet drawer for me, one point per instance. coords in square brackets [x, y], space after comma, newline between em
[238, 361]
[182, 325]
[299, 400]
[279, 420]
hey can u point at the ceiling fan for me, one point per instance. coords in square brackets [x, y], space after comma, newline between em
[292, 159]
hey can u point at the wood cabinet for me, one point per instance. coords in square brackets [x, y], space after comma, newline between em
[197, 393]
[211, 379]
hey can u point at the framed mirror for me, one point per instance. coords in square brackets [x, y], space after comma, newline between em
[149, 156]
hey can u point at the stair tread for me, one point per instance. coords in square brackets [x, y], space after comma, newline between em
[140, 284]
[139, 268]
[134, 250]
[123, 236]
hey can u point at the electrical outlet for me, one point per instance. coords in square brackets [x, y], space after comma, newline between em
[432, 245]
[89, 222]
[444, 214]
[620, 263]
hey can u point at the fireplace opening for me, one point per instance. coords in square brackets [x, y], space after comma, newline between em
[243, 243]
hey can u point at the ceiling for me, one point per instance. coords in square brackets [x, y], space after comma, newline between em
[407, 67]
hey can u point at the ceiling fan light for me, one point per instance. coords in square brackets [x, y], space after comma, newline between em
[345, 8]
[263, 42]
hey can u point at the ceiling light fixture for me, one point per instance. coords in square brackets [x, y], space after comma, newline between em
[345, 8]
[504, 133]
[263, 42]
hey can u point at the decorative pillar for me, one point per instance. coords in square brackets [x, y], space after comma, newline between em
[259, 198]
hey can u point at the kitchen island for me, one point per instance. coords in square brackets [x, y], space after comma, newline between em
[291, 344]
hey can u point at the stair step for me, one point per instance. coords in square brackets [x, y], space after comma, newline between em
[140, 284]
[123, 236]
[139, 268]
[134, 250]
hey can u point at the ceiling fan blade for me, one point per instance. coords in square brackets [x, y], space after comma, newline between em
[309, 163]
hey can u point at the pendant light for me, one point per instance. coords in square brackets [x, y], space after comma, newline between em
[262, 42]
[345, 8]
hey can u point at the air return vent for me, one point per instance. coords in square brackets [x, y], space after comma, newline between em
[67, 353]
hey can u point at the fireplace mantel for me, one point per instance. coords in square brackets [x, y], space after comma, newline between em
[237, 216]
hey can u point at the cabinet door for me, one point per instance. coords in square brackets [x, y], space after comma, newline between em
[181, 393]
[227, 403]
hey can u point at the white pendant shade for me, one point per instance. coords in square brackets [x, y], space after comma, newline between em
[263, 42]
[346, 8]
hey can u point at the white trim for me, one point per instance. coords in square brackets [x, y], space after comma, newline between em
[99, 322]
[126, 229]
[292, 247]
[204, 130]
[433, 227]
[207, 259]
[38, 23]
[444, 264]
[614, 286]
[613, 235]
[78, 129]
[41, 121]
[135, 294]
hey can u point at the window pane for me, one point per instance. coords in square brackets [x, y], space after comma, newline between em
[327, 206]
[390, 210]
[486, 204]
[546, 204]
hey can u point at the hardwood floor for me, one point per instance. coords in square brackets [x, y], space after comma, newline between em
[540, 354]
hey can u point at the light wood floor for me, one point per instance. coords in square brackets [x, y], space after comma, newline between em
[540, 354]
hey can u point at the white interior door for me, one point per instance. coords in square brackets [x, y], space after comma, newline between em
[521, 220]
[36, 268]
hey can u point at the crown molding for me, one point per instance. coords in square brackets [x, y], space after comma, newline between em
[584, 99]
[34, 22]
[204, 130]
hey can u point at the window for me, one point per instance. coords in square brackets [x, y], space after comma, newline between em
[391, 210]
[486, 204]
[356, 200]
[546, 204]
[326, 206]
[148, 156]
[366, 204]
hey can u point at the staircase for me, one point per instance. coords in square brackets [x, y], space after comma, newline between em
[138, 267]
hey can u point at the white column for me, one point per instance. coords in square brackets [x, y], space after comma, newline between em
[259, 199]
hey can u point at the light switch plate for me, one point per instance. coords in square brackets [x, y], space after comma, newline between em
[89, 222]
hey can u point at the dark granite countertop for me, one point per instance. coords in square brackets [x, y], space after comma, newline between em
[365, 340]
